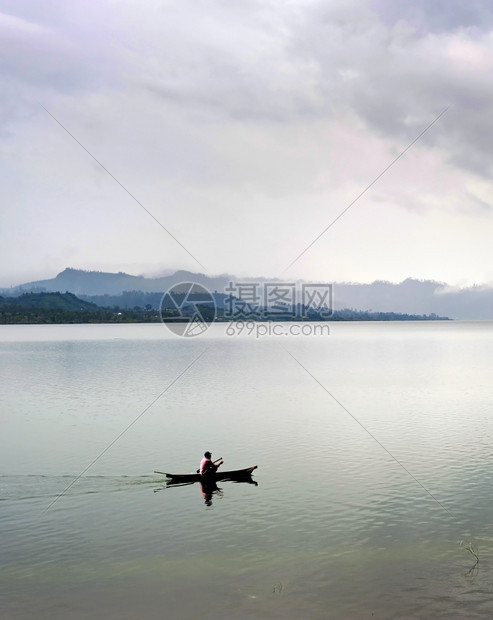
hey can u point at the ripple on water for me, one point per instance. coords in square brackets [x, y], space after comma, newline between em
[335, 528]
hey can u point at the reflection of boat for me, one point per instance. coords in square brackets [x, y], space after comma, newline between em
[237, 474]
[177, 482]
[208, 484]
[207, 490]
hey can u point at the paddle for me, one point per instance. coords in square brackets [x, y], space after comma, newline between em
[198, 470]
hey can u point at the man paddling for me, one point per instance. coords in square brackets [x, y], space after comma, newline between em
[207, 466]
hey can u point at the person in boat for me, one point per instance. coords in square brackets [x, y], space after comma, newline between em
[207, 466]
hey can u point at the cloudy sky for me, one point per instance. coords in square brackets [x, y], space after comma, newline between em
[245, 128]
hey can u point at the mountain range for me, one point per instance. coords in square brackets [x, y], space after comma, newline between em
[410, 296]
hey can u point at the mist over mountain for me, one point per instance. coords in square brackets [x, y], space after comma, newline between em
[409, 297]
[80, 282]
[417, 297]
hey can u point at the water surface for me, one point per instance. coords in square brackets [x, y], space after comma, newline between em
[336, 528]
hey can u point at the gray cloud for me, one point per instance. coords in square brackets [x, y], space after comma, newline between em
[244, 113]
[436, 15]
[397, 77]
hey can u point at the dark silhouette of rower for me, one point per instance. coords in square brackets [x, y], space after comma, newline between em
[208, 467]
[207, 470]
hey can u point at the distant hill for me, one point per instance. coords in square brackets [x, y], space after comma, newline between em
[417, 297]
[413, 297]
[82, 282]
[37, 308]
[133, 299]
[48, 301]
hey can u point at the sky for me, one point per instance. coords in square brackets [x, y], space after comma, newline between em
[225, 136]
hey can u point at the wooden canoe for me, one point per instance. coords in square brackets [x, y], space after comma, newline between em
[236, 474]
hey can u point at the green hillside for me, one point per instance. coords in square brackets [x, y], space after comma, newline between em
[48, 301]
[34, 308]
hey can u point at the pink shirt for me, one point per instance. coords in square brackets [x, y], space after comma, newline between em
[202, 464]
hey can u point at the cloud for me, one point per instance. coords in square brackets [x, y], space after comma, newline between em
[397, 78]
[436, 15]
[248, 123]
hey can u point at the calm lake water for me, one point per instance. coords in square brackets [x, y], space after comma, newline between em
[335, 527]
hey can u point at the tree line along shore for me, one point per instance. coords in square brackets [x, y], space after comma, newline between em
[67, 308]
